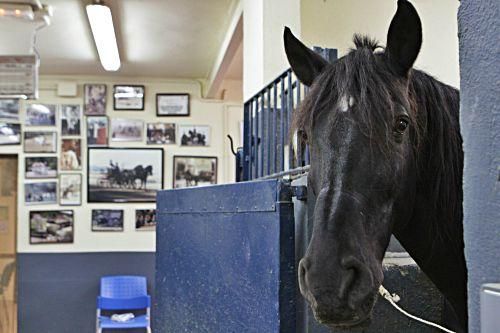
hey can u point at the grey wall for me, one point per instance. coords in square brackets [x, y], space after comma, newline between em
[479, 30]
[57, 292]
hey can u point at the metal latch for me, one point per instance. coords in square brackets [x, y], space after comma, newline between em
[300, 192]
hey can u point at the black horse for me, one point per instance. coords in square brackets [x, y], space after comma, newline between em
[142, 174]
[386, 158]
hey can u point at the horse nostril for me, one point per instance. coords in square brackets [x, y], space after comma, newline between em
[303, 265]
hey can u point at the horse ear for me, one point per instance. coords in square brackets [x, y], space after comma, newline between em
[306, 64]
[404, 38]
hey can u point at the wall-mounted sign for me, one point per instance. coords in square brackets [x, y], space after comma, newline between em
[19, 76]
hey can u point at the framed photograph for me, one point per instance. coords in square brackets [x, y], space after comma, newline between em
[192, 135]
[71, 116]
[145, 219]
[107, 220]
[41, 115]
[94, 99]
[10, 134]
[51, 226]
[172, 105]
[9, 109]
[40, 193]
[160, 133]
[70, 189]
[97, 131]
[124, 174]
[192, 171]
[126, 129]
[40, 142]
[40, 167]
[71, 154]
[128, 97]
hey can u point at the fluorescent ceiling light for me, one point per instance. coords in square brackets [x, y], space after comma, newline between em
[101, 24]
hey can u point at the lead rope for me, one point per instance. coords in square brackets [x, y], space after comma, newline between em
[394, 298]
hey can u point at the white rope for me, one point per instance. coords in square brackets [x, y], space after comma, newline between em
[394, 298]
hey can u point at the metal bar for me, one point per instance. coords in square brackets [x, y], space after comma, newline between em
[256, 141]
[246, 143]
[299, 137]
[307, 156]
[269, 132]
[275, 124]
[262, 118]
[289, 120]
[295, 171]
[282, 126]
[250, 156]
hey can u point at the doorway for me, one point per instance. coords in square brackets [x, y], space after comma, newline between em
[8, 230]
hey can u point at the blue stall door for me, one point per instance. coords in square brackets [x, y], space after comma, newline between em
[225, 259]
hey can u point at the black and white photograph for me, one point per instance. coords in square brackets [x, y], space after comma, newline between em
[9, 109]
[41, 114]
[71, 154]
[40, 193]
[123, 130]
[40, 142]
[107, 220]
[97, 131]
[41, 167]
[160, 133]
[172, 105]
[94, 99]
[10, 134]
[70, 189]
[128, 97]
[51, 226]
[145, 219]
[71, 116]
[192, 135]
[124, 174]
[192, 171]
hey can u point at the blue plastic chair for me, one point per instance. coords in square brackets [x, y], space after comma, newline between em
[123, 292]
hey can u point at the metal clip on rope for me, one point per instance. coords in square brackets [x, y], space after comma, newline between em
[394, 298]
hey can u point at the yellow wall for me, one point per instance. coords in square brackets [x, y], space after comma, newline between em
[222, 118]
[332, 23]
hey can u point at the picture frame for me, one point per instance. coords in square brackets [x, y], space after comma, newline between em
[40, 167]
[160, 133]
[70, 189]
[194, 135]
[41, 193]
[122, 175]
[9, 109]
[97, 131]
[71, 120]
[51, 226]
[192, 171]
[172, 105]
[94, 99]
[10, 134]
[145, 219]
[107, 220]
[71, 155]
[128, 97]
[41, 114]
[127, 130]
[40, 142]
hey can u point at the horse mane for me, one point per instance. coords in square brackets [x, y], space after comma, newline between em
[433, 108]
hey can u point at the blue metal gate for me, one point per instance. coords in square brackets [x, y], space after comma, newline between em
[225, 259]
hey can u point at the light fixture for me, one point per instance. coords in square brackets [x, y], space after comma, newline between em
[101, 24]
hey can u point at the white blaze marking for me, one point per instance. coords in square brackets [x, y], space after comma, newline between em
[346, 103]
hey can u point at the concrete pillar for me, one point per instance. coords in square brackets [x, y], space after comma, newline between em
[479, 28]
[263, 54]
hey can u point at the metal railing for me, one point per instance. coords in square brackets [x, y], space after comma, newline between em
[267, 148]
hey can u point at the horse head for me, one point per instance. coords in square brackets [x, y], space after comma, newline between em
[359, 124]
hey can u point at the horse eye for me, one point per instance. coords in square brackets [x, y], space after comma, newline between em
[401, 125]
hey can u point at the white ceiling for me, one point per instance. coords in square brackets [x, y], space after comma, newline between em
[158, 38]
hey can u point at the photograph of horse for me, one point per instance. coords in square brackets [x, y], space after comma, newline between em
[386, 158]
[124, 174]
